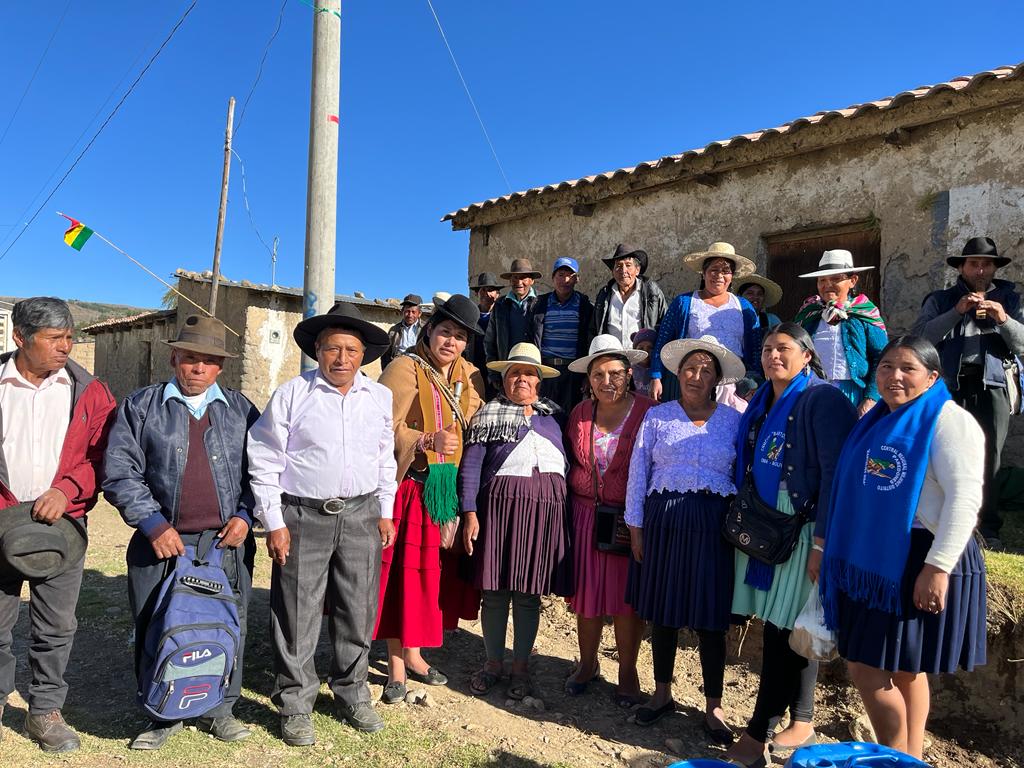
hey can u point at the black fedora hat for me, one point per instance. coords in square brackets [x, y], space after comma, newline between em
[38, 550]
[459, 309]
[486, 280]
[982, 247]
[623, 251]
[347, 317]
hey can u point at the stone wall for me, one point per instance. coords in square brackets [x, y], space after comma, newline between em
[84, 353]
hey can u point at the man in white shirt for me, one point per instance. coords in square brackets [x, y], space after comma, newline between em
[629, 301]
[403, 335]
[322, 464]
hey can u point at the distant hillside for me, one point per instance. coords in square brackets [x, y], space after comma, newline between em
[89, 312]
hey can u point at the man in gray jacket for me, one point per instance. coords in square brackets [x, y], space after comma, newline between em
[630, 301]
[176, 469]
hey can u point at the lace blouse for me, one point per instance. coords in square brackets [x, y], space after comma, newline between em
[725, 323]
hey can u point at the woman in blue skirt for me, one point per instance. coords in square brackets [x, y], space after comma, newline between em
[790, 439]
[680, 481]
[903, 578]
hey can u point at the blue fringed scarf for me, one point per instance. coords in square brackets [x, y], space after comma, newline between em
[874, 498]
[769, 451]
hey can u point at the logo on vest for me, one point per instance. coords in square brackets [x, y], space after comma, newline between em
[888, 465]
[771, 448]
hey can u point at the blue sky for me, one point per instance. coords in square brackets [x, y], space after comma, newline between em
[566, 88]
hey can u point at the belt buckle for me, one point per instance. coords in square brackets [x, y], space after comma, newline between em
[333, 506]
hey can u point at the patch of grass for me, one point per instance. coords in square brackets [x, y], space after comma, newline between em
[1006, 588]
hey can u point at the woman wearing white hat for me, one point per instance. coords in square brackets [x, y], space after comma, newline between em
[848, 330]
[680, 482]
[762, 294]
[599, 436]
[710, 310]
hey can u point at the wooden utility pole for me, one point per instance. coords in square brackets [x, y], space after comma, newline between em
[222, 213]
[322, 185]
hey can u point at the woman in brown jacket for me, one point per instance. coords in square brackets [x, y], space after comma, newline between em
[436, 391]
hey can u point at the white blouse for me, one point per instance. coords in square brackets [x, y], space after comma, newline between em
[533, 452]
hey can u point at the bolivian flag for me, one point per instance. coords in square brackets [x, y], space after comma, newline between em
[77, 235]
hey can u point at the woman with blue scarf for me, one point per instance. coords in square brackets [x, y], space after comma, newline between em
[790, 438]
[903, 579]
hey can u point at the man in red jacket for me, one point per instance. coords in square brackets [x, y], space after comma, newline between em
[54, 418]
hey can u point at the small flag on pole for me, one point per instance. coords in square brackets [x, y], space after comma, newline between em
[77, 235]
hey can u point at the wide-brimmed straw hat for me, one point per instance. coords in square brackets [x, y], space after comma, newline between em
[523, 267]
[523, 353]
[623, 251]
[346, 317]
[602, 346]
[772, 290]
[836, 262]
[981, 247]
[201, 334]
[38, 550]
[742, 266]
[460, 310]
[673, 354]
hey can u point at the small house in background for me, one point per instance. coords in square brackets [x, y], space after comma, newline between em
[129, 353]
[6, 340]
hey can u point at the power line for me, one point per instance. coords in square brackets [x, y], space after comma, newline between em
[35, 72]
[469, 95]
[259, 70]
[245, 199]
[99, 130]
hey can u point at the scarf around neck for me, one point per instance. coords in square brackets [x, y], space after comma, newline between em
[859, 307]
[500, 420]
[877, 486]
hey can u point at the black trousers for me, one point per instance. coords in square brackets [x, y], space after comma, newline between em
[52, 625]
[145, 576]
[782, 677]
[711, 646]
[991, 409]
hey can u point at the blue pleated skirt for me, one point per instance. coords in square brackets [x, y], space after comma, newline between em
[685, 579]
[918, 641]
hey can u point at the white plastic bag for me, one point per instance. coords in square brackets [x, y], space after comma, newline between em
[810, 637]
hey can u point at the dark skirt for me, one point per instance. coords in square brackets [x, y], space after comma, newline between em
[918, 641]
[685, 579]
[525, 535]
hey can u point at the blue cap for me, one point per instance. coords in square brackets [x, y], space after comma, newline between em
[565, 261]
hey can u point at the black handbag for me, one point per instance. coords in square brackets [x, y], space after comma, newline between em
[611, 534]
[755, 527]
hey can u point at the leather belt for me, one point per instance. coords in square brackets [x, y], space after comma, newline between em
[328, 506]
[556, 361]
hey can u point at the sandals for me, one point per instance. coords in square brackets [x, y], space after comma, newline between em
[579, 687]
[519, 687]
[483, 681]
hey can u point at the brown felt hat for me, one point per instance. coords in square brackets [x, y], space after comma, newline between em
[37, 550]
[205, 335]
[521, 267]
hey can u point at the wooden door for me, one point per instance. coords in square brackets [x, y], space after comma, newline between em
[798, 253]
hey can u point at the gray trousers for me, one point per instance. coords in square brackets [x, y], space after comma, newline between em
[337, 556]
[52, 623]
[146, 575]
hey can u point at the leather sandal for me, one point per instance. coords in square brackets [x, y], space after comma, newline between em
[483, 681]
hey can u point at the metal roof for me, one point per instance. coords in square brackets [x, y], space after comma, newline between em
[957, 84]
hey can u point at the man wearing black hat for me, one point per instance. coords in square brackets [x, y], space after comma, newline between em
[402, 336]
[629, 301]
[509, 322]
[487, 289]
[175, 468]
[54, 418]
[978, 327]
[323, 472]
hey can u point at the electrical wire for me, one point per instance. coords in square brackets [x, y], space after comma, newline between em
[35, 72]
[245, 199]
[106, 122]
[259, 70]
[469, 95]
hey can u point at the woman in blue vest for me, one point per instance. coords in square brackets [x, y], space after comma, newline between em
[711, 310]
[790, 437]
[903, 578]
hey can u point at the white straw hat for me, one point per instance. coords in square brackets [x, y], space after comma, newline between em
[673, 353]
[836, 262]
[742, 265]
[772, 290]
[524, 353]
[605, 345]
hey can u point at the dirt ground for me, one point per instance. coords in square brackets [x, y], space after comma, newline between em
[452, 729]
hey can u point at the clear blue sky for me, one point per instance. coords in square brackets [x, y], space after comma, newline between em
[566, 88]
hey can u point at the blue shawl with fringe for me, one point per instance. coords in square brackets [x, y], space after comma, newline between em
[877, 486]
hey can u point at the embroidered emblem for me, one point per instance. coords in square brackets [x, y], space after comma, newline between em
[888, 465]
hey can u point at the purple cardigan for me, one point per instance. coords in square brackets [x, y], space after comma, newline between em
[481, 461]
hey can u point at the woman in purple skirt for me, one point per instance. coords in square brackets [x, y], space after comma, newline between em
[515, 519]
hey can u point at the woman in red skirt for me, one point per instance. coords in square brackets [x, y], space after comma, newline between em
[435, 391]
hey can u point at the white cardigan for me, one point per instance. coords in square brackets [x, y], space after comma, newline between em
[952, 492]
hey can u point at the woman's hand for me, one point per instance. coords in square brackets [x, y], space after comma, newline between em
[446, 441]
[814, 561]
[448, 531]
[930, 589]
[655, 390]
[636, 543]
[470, 529]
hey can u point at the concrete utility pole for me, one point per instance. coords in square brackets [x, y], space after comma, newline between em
[322, 187]
[222, 213]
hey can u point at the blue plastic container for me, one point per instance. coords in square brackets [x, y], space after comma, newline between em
[852, 754]
[702, 762]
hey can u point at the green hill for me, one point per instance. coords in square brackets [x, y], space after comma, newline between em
[89, 312]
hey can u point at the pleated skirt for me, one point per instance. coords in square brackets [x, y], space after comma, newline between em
[918, 641]
[685, 579]
[600, 578]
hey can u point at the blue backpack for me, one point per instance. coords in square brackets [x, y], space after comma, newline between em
[191, 643]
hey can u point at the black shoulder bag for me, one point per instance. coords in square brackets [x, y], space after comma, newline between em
[611, 534]
[756, 528]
